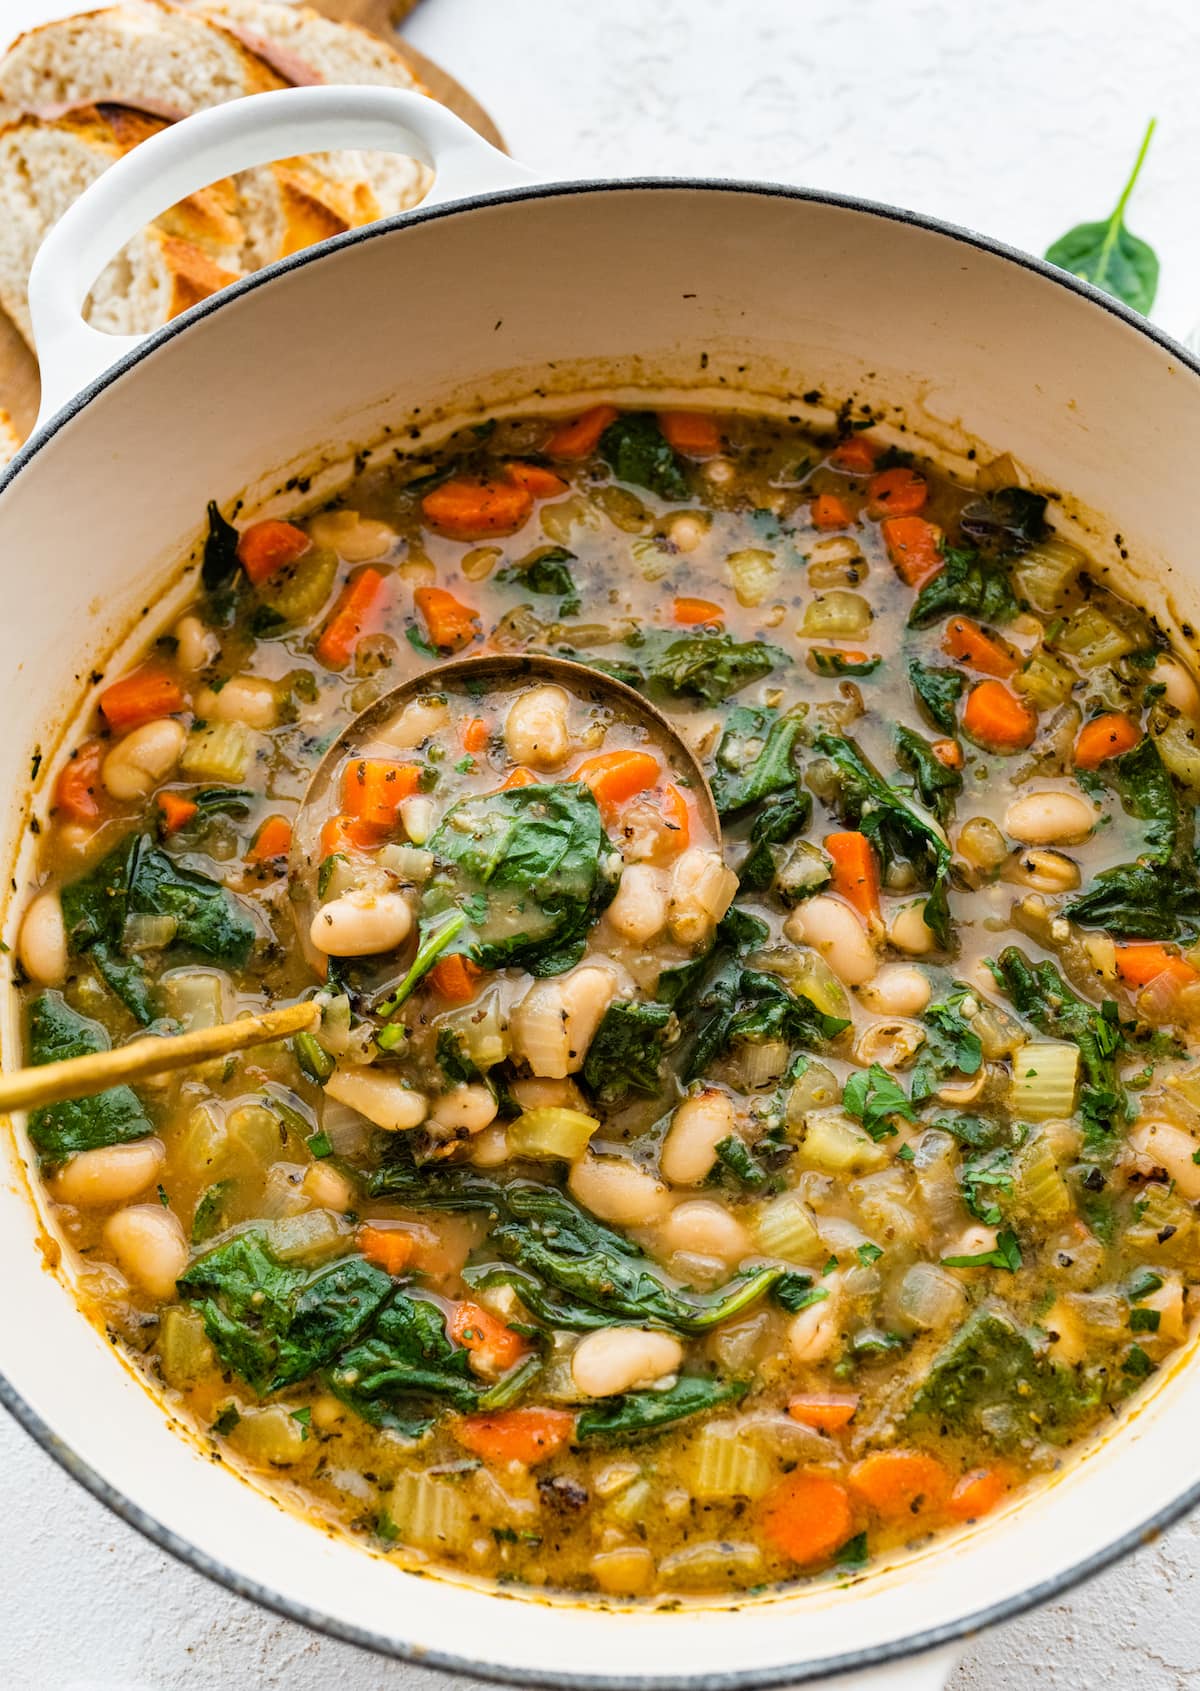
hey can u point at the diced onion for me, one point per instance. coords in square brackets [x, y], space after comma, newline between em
[929, 1298]
[753, 573]
[837, 615]
[815, 1089]
[147, 932]
[310, 1237]
[762, 1063]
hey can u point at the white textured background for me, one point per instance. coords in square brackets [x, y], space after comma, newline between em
[1019, 119]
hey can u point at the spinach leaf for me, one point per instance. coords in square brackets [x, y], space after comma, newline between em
[982, 1178]
[939, 690]
[712, 667]
[874, 1097]
[127, 977]
[58, 1131]
[937, 785]
[769, 1011]
[970, 582]
[755, 759]
[1148, 900]
[1007, 522]
[779, 819]
[220, 550]
[546, 572]
[636, 451]
[551, 1308]
[407, 1353]
[951, 1045]
[1147, 793]
[639, 1413]
[210, 1214]
[626, 1054]
[1107, 255]
[739, 1160]
[453, 1058]
[795, 1292]
[529, 868]
[1006, 1254]
[275, 1323]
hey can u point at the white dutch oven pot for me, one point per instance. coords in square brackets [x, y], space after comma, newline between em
[533, 295]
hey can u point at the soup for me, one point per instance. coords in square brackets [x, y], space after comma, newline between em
[652, 1212]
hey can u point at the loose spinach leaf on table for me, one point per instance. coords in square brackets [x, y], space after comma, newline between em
[640, 1413]
[530, 869]
[636, 451]
[939, 690]
[1108, 255]
[755, 759]
[937, 785]
[220, 550]
[970, 582]
[547, 572]
[58, 1131]
[1005, 523]
[406, 1354]
[711, 667]
[951, 1045]
[626, 1054]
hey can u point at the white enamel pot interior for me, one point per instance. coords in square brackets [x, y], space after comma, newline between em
[727, 293]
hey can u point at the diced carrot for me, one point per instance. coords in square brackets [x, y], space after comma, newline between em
[518, 778]
[358, 607]
[528, 1436]
[965, 641]
[1140, 963]
[693, 433]
[978, 1492]
[265, 547]
[470, 508]
[451, 624]
[455, 979]
[616, 777]
[581, 435]
[897, 493]
[899, 1483]
[857, 453]
[140, 697]
[855, 872]
[828, 511]
[677, 817]
[690, 611]
[79, 792]
[475, 735]
[826, 1411]
[341, 834]
[373, 789]
[389, 1248]
[176, 811]
[1105, 736]
[495, 1346]
[914, 547]
[807, 1515]
[948, 752]
[997, 719]
[274, 839]
[536, 479]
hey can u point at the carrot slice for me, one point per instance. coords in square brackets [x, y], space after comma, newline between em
[373, 789]
[454, 979]
[470, 508]
[266, 547]
[807, 1515]
[140, 697]
[274, 839]
[528, 1436]
[997, 719]
[693, 433]
[451, 624]
[616, 777]
[677, 817]
[581, 435]
[969, 644]
[914, 547]
[948, 752]
[857, 453]
[78, 791]
[475, 735]
[342, 834]
[176, 811]
[1105, 736]
[897, 493]
[389, 1248]
[536, 479]
[855, 872]
[359, 606]
[690, 611]
[826, 1411]
[1140, 963]
[518, 778]
[828, 512]
[494, 1345]
[977, 1493]
[898, 1483]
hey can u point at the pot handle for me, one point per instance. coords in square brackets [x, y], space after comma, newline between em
[187, 156]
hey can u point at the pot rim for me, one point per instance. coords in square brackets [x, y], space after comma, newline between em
[751, 1679]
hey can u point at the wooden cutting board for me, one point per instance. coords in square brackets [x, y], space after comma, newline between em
[19, 388]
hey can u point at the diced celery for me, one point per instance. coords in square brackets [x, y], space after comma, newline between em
[196, 997]
[255, 1130]
[270, 1435]
[785, 1228]
[1092, 638]
[1037, 1183]
[835, 1144]
[427, 1512]
[220, 752]
[310, 1237]
[753, 573]
[1043, 1081]
[335, 1023]
[1179, 747]
[885, 1203]
[146, 932]
[816, 1088]
[1163, 1221]
[723, 1463]
[1045, 679]
[804, 870]
[298, 591]
[837, 615]
[551, 1133]
[184, 1353]
[1044, 573]
[482, 1027]
[761, 1062]
[632, 1503]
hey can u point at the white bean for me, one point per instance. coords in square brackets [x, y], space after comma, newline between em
[972, 1242]
[620, 1359]
[354, 538]
[1049, 819]
[897, 990]
[687, 531]
[1182, 691]
[813, 1332]
[382, 1098]
[489, 1149]
[535, 1093]
[535, 729]
[327, 1187]
[909, 931]
[361, 923]
[1169, 1147]
[835, 933]
[417, 814]
[466, 1109]
[418, 722]
[42, 943]
[639, 910]
[111, 1174]
[147, 1240]
[701, 891]
[243, 698]
[555, 1022]
[697, 1128]
[136, 764]
[702, 1227]
[618, 1191]
[196, 646]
